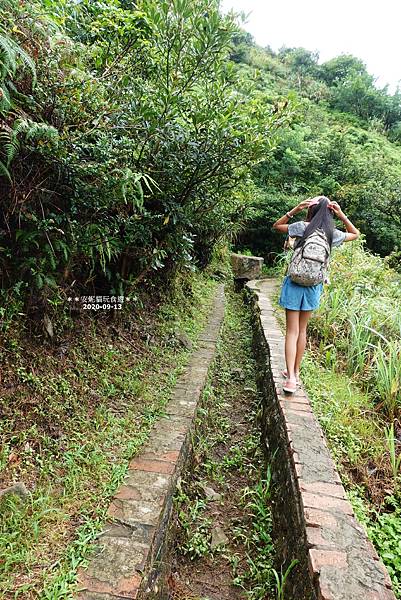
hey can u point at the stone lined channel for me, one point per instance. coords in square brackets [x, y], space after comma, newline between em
[199, 510]
[223, 549]
[130, 557]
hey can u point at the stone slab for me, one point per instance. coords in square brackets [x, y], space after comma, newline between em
[246, 267]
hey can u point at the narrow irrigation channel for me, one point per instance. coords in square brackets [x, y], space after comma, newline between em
[223, 548]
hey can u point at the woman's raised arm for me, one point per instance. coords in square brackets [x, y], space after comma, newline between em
[282, 223]
[352, 232]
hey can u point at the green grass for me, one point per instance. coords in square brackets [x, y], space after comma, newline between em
[70, 427]
[360, 444]
[395, 460]
[257, 579]
[358, 325]
[352, 426]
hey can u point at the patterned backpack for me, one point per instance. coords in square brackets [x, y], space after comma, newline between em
[310, 260]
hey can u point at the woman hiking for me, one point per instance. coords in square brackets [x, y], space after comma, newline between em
[300, 294]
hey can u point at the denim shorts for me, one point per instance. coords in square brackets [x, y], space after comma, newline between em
[300, 297]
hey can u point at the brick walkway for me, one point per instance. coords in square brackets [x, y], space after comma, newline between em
[313, 516]
[129, 559]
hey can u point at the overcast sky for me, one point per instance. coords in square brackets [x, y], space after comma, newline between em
[368, 29]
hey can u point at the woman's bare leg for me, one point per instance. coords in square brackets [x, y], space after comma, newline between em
[291, 339]
[304, 316]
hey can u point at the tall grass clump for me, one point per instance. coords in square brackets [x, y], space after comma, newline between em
[360, 344]
[388, 375]
[359, 320]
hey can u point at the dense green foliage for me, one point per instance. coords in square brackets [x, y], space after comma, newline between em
[343, 142]
[385, 532]
[130, 131]
[127, 142]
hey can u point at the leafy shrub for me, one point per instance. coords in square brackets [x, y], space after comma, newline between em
[385, 532]
[129, 141]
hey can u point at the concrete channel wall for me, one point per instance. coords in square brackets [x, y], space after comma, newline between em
[314, 521]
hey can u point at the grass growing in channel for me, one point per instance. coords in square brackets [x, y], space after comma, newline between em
[228, 459]
[70, 425]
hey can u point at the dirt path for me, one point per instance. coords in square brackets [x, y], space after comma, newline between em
[223, 548]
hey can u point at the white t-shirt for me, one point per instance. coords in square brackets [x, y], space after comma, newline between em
[298, 229]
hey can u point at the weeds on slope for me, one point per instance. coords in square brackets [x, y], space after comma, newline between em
[365, 454]
[358, 325]
[72, 417]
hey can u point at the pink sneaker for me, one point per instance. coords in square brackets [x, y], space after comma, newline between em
[290, 386]
[285, 375]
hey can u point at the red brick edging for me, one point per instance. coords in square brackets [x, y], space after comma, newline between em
[314, 517]
[130, 553]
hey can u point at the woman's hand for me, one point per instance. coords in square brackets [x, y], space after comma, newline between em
[336, 208]
[303, 205]
[352, 232]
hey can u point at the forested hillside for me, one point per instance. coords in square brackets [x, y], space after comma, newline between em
[343, 141]
[130, 132]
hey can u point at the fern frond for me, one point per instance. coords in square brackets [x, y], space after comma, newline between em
[10, 54]
[40, 131]
[5, 100]
[5, 138]
[12, 149]
[4, 172]
[10, 139]
[20, 125]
